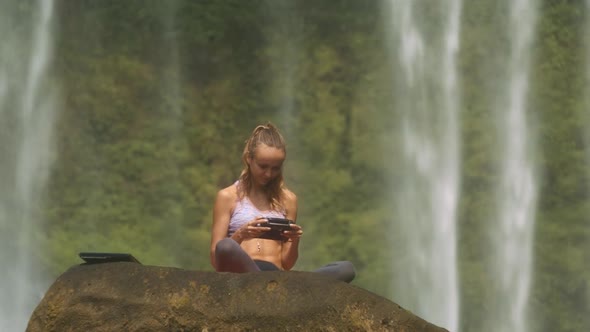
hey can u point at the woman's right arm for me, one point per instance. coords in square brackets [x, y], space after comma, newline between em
[221, 215]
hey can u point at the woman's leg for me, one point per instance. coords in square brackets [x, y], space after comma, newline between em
[266, 266]
[230, 257]
[341, 270]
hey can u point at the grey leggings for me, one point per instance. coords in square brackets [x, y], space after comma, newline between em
[230, 257]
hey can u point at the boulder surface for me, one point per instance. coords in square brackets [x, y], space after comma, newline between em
[133, 297]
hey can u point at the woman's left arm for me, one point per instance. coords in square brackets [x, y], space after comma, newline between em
[290, 249]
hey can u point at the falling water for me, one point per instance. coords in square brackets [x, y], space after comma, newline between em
[171, 80]
[285, 40]
[517, 189]
[26, 117]
[428, 97]
[587, 45]
[587, 100]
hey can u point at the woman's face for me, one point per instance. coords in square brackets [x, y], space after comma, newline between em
[266, 164]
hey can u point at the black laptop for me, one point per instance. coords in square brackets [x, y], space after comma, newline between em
[106, 257]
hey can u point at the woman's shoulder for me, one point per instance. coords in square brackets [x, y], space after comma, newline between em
[289, 196]
[228, 194]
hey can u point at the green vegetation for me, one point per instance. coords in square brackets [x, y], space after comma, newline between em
[158, 97]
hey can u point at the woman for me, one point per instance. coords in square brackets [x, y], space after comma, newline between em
[239, 240]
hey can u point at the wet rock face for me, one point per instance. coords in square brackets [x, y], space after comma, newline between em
[133, 297]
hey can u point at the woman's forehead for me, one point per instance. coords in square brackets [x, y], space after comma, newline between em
[264, 153]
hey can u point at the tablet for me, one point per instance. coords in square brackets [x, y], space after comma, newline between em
[106, 257]
[279, 224]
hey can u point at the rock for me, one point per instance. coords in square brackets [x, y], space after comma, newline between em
[134, 297]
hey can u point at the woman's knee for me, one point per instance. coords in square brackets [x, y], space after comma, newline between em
[226, 247]
[347, 271]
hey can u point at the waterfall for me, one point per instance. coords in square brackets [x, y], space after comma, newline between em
[512, 227]
[587, 96]
[587, 44]
[171, 76]
[427, 98]
[286, 41]
[26, 116]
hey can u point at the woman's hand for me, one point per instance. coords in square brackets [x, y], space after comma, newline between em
[294, 233]
[252, 228]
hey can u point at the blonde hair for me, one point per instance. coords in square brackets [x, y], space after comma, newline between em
[270, 136]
